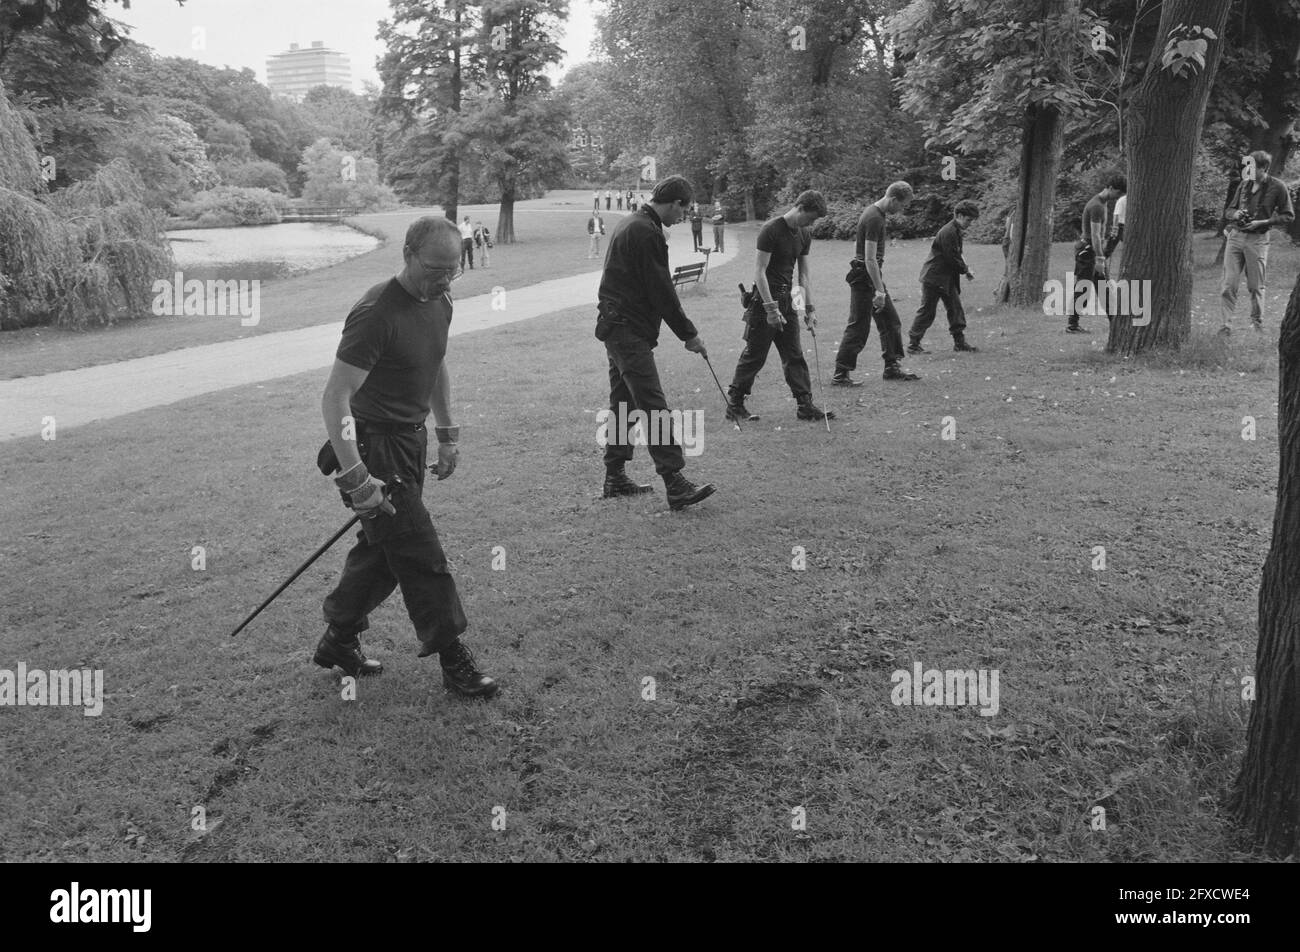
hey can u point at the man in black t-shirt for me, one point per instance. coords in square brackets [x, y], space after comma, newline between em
[783, 245]
[868, 296]
[389, 373]
[1089, 262]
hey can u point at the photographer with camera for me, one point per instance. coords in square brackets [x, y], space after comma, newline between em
[1261, 203]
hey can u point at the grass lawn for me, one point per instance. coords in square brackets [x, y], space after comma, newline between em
[1118, 688]
[552, 243]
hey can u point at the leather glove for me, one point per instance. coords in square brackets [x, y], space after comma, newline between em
[365, 492]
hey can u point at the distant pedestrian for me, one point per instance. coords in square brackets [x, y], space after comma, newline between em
[466, 244]
[1259, 205]
[595, 228]
[719, 222]
[619, 199]
[631, 201]
[595, 200]
[641, 198]
[609, 197]
[697, 227]
[482, 241]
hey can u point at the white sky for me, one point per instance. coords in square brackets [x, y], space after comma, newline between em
[243, 33]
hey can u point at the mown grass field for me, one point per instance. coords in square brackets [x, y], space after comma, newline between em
[1119, 688]
[551, 243]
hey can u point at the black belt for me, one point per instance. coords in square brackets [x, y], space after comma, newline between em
[388, 428]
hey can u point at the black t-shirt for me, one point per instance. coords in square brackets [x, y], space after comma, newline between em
[1094, 211]
[871, 227]
[402, 342]
[786, 246]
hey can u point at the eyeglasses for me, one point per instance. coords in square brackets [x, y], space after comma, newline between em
[451, 274]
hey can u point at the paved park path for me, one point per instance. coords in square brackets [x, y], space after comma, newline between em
[77, 397]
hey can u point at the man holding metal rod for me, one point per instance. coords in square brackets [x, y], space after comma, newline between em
[783, 245]
[389, 373]
[636, 296]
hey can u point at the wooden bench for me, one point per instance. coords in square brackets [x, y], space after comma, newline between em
[688, 273]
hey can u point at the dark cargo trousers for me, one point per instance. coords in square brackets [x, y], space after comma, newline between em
[634, 382]
[400, 550]
[759, 338]
[931, 295]
[862, 311]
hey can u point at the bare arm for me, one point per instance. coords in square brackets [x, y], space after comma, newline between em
[440, 396]
[336, 408]
[873, 266]
[805, 281]
[760, 276]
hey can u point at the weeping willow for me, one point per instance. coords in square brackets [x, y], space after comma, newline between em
[85, 256]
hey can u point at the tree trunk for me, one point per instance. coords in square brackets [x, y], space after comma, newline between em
[1041, 142]
[1266, 799]
[506, 217]
[451, 173]
[1165, 117]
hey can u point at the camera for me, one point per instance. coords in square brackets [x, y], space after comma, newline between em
[1242, 219]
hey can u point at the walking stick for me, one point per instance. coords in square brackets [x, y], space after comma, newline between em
[314, 556]
[719, 385]
[817, 362]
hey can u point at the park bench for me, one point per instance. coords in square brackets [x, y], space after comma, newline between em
[688, 273]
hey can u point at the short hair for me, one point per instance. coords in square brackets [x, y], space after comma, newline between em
[899, 190]
[967, 209]
[1262, 159]
[431, 227]
[1118, 182]
[811, 201]
[675, 188]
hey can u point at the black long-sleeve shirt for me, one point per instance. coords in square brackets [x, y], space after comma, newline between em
[636, 288]
[945, 264]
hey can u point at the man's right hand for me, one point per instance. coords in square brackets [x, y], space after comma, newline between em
[773, 312]
[696, 346]
[365, 492]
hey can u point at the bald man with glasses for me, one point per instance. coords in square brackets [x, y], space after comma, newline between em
[389, 373]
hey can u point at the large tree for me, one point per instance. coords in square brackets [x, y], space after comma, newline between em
[1267, 795]
[431, 60]
[977, 71]
[517, 125]
[1165, 116]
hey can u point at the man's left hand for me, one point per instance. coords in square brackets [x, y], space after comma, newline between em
[448, 454]
[809, 320]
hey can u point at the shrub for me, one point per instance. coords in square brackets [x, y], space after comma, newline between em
[231, 205]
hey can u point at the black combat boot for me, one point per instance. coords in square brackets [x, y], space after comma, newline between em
[460, 674]
[736, 409]
[808, 410]
[335, 650]
[959, 344]
[682, 492]
[617, 483]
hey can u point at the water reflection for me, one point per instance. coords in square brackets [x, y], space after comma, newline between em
[265, 252]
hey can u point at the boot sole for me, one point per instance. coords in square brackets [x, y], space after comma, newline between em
[329, 664]
[490, 691]
[704, 493]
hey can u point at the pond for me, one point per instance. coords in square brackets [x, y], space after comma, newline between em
[265, 252]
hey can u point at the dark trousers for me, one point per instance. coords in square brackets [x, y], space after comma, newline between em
[607, 201]
[717, 239]
[401, 550]
[467, 251]
[634, 381]
[759, 338]
[698, 238]
[861, 313]
[931, 295]
[1085, 272]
